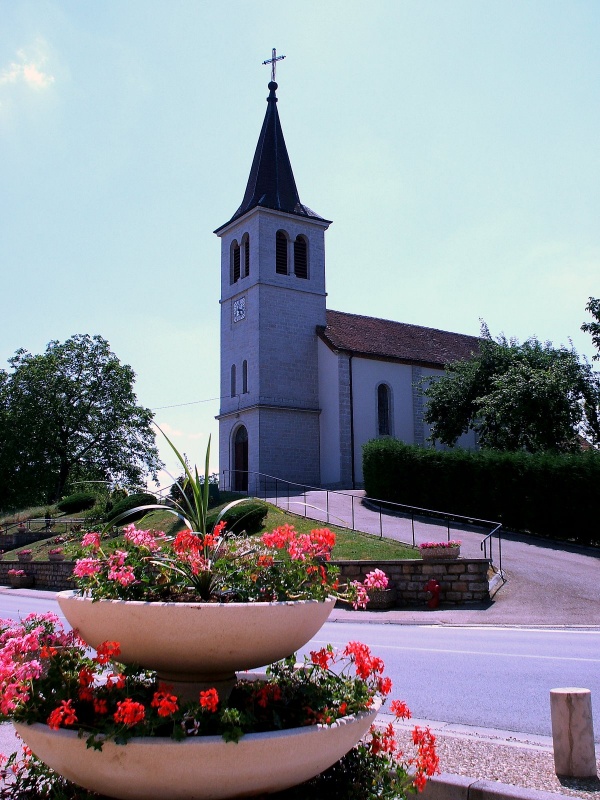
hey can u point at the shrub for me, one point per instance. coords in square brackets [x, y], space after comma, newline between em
[80, 501]
[214, 496]
[127, 503]
[248, 516]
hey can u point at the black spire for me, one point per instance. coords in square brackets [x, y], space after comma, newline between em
[271, 183]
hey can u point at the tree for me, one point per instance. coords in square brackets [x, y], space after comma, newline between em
[529, 396]
[69, 414]
[593, 307]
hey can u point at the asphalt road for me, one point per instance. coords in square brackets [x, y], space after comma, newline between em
[481, 676]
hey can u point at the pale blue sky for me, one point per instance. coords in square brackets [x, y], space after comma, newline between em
[454, 145]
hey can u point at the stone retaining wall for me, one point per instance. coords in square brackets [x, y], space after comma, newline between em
[52, 575]
[464, 580]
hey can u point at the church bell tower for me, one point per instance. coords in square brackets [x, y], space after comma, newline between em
[272, 300]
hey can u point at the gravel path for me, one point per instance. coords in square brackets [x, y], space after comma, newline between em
[519, 761]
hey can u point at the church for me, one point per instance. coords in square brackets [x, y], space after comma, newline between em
[304, 387]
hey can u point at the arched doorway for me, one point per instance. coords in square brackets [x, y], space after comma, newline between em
[240, 460]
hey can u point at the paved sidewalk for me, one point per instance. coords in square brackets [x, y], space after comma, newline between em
[547, 582]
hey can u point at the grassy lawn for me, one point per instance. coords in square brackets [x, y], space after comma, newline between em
[349, 545]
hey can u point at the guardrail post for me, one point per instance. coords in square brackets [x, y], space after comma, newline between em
[573, 732]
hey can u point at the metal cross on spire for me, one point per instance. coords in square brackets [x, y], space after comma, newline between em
[272, 61]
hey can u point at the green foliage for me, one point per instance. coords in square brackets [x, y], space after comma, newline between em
[530, 396]
[544, 493]
[80, 501]
[70, 411]
[249, 517]
[129, 502]
[176, 492]
[593, 307]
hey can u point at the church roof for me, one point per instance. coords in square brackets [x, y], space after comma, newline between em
[397, 341]
[271, 183]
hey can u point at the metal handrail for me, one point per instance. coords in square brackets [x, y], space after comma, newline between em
[399, 508]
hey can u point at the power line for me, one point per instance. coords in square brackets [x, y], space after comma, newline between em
[191, 403]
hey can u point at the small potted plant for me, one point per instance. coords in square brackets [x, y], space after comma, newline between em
[19, 579]
[21, 527]
[431, 551]
[56, 554]
[380, 594]
[25, 555]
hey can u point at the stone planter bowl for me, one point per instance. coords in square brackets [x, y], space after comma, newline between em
[198, 768]
[197, 643]
[24, 557]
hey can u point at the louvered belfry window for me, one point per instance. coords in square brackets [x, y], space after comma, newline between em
[235, 262]
[301, 257]
[247, 256]
[281, 259]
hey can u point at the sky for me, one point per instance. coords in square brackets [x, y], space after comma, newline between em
[454, 144]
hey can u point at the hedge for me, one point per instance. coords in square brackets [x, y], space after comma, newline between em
[543, 494]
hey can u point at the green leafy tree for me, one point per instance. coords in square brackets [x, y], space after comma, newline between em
[593, 307]
[529, 396]
[70, 414]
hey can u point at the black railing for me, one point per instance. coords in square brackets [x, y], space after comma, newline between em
[280, 491]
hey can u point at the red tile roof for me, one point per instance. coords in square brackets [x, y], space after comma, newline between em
[397, 341]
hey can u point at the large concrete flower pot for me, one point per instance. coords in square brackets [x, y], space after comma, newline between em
[437, 553]
[197, 643]
[203, 768]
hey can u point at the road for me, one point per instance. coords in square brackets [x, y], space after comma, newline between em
[482, 676]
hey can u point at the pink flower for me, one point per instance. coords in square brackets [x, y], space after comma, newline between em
[377, 579]
[85, 567]
[91, 540]
[123, 575]
[141, 538]
[362, 596]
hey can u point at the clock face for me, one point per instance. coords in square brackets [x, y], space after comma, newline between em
[239, 309]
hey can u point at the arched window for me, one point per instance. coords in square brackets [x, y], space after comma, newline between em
[384, 427]
[235, 261]
[246, 246]
[233, 392]
[301, 257]
[281, 253]
[245, 377]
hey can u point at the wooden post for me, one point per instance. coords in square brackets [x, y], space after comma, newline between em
[573, 732]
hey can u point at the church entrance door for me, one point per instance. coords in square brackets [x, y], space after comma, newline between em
[240, 460]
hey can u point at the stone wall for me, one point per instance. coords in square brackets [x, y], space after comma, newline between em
[52, 575]
[464, 580]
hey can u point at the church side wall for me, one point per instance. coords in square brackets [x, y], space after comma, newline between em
[367, 374]
[329, 401]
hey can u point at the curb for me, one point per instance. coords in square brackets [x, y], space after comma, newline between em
[447, 786]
